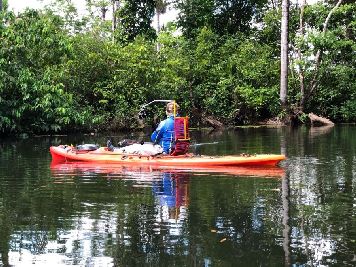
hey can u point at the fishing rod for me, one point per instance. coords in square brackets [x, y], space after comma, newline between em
[142, 113]
[154, 101]
[203, 144]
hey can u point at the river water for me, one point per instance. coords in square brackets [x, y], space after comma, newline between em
[302, 213]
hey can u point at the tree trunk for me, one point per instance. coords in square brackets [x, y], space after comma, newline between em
[113, 21]
[158, 14]
[284, 55]
[103, 13]
[161, 7]
[301, 67]
[0, 5]
[115, 8]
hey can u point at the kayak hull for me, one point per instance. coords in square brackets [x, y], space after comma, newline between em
[102, 155]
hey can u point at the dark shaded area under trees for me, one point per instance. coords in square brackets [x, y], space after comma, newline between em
[220, 60]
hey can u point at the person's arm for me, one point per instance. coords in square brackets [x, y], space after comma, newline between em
[158, 133]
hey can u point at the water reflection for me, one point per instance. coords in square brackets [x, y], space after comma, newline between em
[286, 220]
[89, 232]
[316, 132]
[129, 226]
[104, 215]
[117, 216]
[171, 198]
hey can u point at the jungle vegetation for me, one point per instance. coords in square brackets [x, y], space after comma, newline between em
[61, 72]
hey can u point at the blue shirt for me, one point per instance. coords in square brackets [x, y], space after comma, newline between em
[164, 134]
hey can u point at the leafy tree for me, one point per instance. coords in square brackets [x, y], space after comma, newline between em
[67, 10]
[232, 79]
[193, 15]
[3, 5]
[236, 15]
[325, 60]
[102, 7]
[135, 19]
[224, 17]
[33, 44]
[133, 81]
[86, 75]
[59, 74]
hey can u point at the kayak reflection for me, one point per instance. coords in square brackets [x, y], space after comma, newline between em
[120, 214]
[117, 170]
[170, 186]
[170, 189]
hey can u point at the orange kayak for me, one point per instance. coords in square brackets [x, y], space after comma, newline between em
[102, 155]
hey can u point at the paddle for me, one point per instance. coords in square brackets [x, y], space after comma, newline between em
[127, 142]
[196, 147]
[203, 144]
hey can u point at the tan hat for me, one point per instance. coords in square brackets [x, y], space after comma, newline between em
[170, 107]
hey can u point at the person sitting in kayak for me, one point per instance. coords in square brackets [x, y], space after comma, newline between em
[164, 133]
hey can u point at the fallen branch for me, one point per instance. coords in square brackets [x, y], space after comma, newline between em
[318, 120]
[212, 122]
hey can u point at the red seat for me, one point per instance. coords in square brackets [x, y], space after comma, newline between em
[182, 139]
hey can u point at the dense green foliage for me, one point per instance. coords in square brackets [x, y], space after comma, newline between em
[135, 19]
[33, 48]
[224, 17]
[61, 73]
[337, 73]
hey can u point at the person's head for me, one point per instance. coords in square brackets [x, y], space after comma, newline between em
[170, 108]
